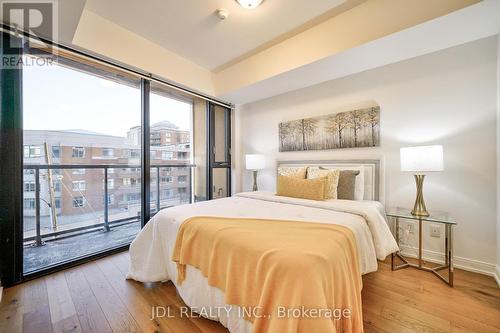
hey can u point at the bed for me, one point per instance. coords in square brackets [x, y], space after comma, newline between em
[152, 250]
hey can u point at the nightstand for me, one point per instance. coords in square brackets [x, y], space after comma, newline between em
[435, 217]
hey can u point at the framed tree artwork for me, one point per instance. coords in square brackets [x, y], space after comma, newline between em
[351, 129]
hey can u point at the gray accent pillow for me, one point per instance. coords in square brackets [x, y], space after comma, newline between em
[347, 180]
[347, 184]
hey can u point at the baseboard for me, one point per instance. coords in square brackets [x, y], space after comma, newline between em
[470, 265]
[497, 274]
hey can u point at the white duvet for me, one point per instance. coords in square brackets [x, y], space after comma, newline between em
[151, 251]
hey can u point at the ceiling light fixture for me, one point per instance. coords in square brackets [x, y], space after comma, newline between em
[222, 13]
[249, 4]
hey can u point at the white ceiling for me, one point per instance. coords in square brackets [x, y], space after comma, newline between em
[191, 29]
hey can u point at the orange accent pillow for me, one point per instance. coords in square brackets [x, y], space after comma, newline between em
[312, 189]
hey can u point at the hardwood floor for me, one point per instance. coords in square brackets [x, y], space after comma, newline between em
[95, 297]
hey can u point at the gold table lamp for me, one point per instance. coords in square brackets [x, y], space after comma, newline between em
[419, 160]
[255, 162]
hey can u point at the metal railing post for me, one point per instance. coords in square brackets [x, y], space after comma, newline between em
[157, 189]
[106, 202]
[191, 183]
[38, 238]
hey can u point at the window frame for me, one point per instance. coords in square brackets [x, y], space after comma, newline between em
[111, 199]
[14, 273]
[29, 186]
[76, 199]
[78, 187]
[211, 160]
[31, 200]
[58, 148]
[79, 151]
[29, 149]
[167, 179]
[112, 150]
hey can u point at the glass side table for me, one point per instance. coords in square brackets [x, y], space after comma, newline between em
[435, 217]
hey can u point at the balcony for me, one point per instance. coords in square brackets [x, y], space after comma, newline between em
[92, 212]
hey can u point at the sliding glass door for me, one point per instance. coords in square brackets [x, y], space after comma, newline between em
[82, 165]
[171, 149]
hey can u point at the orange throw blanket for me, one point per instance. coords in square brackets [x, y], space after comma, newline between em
[293, 276]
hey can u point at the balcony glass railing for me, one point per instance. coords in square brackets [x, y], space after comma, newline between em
[64, 202]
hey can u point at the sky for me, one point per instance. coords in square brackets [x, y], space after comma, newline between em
[58, 98]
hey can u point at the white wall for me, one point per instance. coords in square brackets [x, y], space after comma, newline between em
[498, 159]
[447, 98]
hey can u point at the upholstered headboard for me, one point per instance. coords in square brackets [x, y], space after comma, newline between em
[370, 172]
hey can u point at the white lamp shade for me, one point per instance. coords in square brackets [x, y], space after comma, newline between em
[422, 158]
[255, 161]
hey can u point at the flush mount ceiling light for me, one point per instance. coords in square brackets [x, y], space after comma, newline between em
[222, 13]
[249, 4]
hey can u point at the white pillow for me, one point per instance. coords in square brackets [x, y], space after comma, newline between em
[359, 185]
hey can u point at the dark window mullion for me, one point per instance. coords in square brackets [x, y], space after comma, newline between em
[211, 161]
[227, 120]
[210, 150]
[11, 168]
[145, 153]
[228, 149]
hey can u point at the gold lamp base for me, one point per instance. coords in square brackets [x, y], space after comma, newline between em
[254, 172]
[419, 207]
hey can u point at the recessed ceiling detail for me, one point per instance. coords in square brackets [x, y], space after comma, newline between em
[190, 29]
[258, 53]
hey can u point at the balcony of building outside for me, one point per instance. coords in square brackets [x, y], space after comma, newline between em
[72, 211]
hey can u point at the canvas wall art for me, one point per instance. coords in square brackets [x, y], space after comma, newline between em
[351, 129]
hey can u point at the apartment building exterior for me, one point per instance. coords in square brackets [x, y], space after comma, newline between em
[79, 192]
